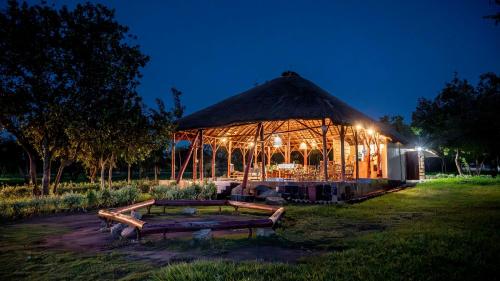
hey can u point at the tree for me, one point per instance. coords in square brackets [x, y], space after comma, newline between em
[398, 124]
[106, 79]
[34, 81]
[449, 119]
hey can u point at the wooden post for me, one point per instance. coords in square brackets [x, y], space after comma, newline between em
[356, 151]
[250, 158]
[172, 163]
[214, 152]
[325, 155]
[202, 171]
[269, 156]
[186, 161]
[262, 156]
[306, 159]
[229, 155]
[195, 161]
[342, 153]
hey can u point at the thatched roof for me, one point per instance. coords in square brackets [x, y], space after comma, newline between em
[287, 97]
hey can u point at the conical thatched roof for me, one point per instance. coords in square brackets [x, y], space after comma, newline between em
[287, 97]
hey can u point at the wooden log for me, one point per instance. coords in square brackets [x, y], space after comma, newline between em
[194, 226]
[277, 215]
[165, 202]
[134, 206]
[121, 218]
[252, 206]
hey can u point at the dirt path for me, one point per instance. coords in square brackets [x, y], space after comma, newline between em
[83, 235]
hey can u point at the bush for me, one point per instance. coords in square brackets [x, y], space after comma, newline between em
[92, 200]
[73, 201]
[105, 198]
[195, 191]
[126, 195]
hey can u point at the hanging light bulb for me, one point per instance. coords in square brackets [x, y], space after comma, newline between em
[359, 127]
[314, 145]
[223, 140]
[370, 131]
[251, 144]
[303, 146]
[277, 142]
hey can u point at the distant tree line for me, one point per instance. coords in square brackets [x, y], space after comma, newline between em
[68, 91]
[462, 122]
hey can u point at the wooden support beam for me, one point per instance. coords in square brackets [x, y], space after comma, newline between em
[342, 153]
[186, 161]
[262, 156]
[229, 156]
[325, 155]
[214, 154]
[250, 158]
[202, 170]
[309, 128]
[195, 162]
[172, 163]
[356, 151]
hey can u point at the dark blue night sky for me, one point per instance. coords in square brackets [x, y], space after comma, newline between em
[378, 56]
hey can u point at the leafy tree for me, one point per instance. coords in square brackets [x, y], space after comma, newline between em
[34, 81]
[106, 79]
[398, 124]
[463, 119]
[448, 120]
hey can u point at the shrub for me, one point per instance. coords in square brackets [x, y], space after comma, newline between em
[73, 201]
[126, 195]
[105, 198]
[195, 191]
[92, 200]
[161, 192]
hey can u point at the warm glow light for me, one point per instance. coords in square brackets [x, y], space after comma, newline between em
[314, 145]
[251, 144]
[303, 146]
[359, 127]
[370, 131]
[224, 140]
[277, 142]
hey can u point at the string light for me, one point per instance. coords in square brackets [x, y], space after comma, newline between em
[303, 146]
[277, 142]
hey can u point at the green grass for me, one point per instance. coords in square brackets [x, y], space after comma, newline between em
[447, 229]
[21, 258]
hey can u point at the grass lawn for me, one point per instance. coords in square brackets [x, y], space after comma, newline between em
[441, 230]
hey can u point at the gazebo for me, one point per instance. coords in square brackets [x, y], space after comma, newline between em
[286, 115]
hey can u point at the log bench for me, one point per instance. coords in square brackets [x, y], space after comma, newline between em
[144, 228]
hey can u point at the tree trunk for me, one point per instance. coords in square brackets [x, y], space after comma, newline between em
[93, 174]
[480, 168]
[457, 162]
[46, 168]
[57, 180]
[156, 173]
[102, 163]
[32, 171]
[128, 173]
[110, 171]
